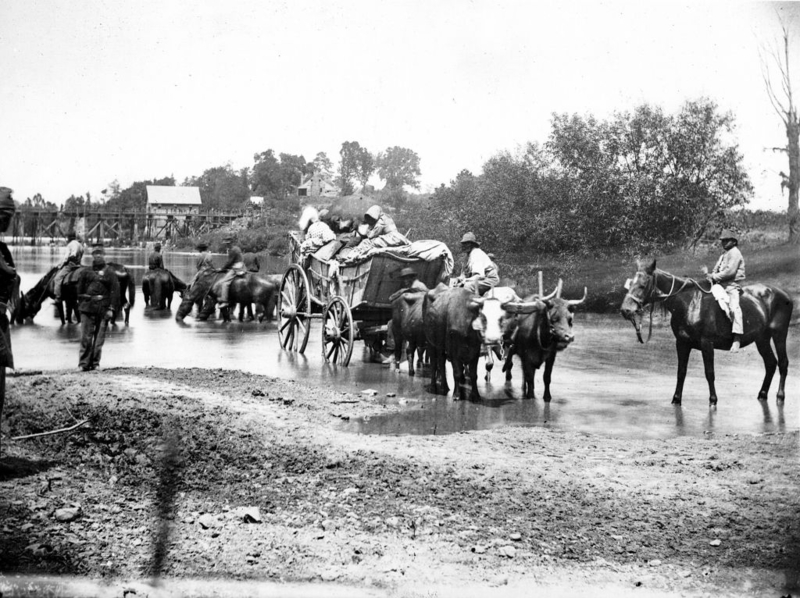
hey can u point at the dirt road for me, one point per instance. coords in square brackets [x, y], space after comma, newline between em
[259, 486]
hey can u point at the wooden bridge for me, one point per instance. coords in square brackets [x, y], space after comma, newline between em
[37, 226]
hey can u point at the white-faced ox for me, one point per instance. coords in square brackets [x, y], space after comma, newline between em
[539, 329]
[458, 324]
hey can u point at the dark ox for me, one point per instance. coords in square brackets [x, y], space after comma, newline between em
[457, 325]
[539, 329]
[699, 323]
[408, 326]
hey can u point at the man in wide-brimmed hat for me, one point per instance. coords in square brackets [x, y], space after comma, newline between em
[411, 284]
[729, 273]
[479, 272]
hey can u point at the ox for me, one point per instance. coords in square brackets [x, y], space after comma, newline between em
[539, 329]
[408, 326]
[457, 325]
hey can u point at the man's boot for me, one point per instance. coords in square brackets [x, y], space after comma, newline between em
[737, 338]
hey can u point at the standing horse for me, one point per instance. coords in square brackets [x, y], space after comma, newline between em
[31, 302]
[158, 287]
[699, 323]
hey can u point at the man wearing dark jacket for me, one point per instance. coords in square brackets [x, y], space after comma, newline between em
[98, 296]
[234, 266]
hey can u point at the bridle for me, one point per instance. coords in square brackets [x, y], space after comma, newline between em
[653, 295]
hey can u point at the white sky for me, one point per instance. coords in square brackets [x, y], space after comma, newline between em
[94, 91]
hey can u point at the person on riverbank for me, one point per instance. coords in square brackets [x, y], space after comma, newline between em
[479, 272]
[71, 260]
[233, 267]
[98, 293]
[729, 274]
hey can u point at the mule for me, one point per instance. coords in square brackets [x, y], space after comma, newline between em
[158, 287]
[31, 302]
[698, 322]
[244, 290]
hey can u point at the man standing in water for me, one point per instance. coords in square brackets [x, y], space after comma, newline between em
[98, 296]
[8, 281]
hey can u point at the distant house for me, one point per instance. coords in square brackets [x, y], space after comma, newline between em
[173, 200]
[169, 209]
[317, 185]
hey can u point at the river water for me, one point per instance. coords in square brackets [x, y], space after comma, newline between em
[604, 383]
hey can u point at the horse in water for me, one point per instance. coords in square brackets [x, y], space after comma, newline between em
[31, 302]
[158, 287]
[698, 322]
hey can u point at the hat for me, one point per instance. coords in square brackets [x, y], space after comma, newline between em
[71, 235]
[98, 249]
[470, 238]
[6, 201]
[157, 246]
[374, 212]
[201, 246]
[406, 272]
[728, 234]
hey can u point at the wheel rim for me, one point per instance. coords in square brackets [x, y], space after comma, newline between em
[294, 313]
[337, 332]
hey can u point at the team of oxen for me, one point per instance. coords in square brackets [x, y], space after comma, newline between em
[456, 325]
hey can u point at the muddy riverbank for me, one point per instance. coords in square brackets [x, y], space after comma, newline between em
[262, 486]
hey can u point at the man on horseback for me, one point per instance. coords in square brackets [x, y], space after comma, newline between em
[729, 273]
[73, 254]
[155, 260]
[233, 267]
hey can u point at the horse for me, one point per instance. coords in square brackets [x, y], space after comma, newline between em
[31, 302]
[244, 290]
[158, 286]
[698, 322]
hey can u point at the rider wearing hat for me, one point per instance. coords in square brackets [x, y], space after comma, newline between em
[232, 267]
[729, 273]
[479, 272]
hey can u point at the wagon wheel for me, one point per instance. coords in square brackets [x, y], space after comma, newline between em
[294, 313]
[338, 333]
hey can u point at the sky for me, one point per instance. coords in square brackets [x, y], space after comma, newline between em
[95, 91]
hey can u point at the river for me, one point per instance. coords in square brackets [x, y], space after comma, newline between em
[604, 383]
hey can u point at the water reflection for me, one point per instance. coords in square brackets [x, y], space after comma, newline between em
[605, 383]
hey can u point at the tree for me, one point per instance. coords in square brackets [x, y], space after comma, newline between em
[278, 177]
[222, 188]
[323, 165]
[399, 166]
[365, 166]
[349, 156]
[783, 103]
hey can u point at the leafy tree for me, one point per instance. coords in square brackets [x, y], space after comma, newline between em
[277, 177]
[783, 102]
[355, 165]
[133, 198]
[222, 188]
[323, 164]
[399, 166]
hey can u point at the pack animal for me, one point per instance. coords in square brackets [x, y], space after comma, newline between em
[540, 328]
[458, 324]
[699, 323]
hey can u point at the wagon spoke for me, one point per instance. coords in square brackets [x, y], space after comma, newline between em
[329, 352]
[286, 322]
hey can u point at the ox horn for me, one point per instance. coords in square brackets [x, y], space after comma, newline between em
[559, 288]
[556, 292]
[574, 302]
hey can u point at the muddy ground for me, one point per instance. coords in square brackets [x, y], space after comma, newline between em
[256, 483]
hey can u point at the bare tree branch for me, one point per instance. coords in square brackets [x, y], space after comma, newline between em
[51, 432]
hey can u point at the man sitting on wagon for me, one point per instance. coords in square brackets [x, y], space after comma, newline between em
[378, 231]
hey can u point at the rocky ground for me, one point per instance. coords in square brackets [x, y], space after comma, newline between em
[230, 477]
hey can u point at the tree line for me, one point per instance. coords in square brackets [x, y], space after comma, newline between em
[638, 179]
[273, 176]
